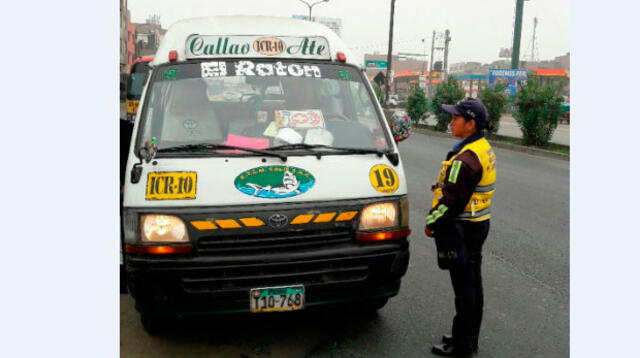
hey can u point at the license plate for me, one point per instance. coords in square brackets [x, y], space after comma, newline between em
[171, 185]
[132, 107]
[276, 299]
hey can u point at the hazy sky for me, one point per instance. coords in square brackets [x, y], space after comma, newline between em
[479, 28]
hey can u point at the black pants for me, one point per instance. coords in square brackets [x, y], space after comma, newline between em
[466, 279]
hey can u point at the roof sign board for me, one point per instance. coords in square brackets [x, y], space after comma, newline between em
[375, 64]
[210, 46]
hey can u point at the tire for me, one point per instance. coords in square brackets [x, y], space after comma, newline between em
[154, 325]
[371, 306]
[123, 281]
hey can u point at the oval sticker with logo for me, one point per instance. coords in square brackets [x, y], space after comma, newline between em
[384, 179]
[268, 46]
[274, 182]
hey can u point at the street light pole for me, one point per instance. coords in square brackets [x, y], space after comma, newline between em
[310, 6]
[388, 80]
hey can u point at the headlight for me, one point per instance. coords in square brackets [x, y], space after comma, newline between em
[163, 228]
[379, 216]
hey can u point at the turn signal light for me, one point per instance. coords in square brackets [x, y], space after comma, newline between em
[158, 250]
[382, 236]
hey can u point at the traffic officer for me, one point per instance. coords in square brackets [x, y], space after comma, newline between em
[459, 221]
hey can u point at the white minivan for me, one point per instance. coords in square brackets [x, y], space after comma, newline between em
[262, 175]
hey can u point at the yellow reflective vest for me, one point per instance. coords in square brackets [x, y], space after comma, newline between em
[479, 206]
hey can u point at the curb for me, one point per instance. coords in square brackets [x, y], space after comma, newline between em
[498, 144]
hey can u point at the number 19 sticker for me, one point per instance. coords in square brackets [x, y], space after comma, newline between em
[383, 179]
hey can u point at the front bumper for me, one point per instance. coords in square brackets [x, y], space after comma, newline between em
[193, 284]
[322, 255]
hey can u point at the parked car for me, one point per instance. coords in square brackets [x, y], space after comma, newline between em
[565, 112]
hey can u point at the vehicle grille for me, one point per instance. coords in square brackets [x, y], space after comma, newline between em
[271, 242]
[227, 281]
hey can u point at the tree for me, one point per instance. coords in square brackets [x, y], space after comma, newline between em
[495, 99]
[537, 110]
[379, 93]
[447, 92]
[417, 103]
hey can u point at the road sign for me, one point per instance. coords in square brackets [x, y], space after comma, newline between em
[375, 64]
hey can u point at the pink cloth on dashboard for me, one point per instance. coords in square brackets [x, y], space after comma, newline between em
[245, 142]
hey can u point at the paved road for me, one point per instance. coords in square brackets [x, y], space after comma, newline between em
[526, 279]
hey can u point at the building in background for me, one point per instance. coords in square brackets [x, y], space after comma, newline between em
[124, 20]
[148, 36]
[131, 45]
[405, 70]
[466, 68]
[333, 23]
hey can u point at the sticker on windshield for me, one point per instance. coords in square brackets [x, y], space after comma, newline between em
[251, 68]
[213, 69]
[170, 74]
[345, 75]
[171, 186]
[311, 118]
[274, 182]
[263, 116]
[384, 179]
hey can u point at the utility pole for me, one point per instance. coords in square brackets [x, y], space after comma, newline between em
[447, 38]
[517, 32]
[433, 40]
[388, 81]
[533, 41]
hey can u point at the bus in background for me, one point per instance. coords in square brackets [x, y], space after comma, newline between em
[135, 85]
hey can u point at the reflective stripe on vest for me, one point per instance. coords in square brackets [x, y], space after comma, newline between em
[477, 214]
[484, 189]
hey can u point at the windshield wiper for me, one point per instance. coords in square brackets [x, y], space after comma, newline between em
[210, 146]
[309, 147]
[393, 157]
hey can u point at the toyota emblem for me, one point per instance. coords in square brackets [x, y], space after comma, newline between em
[277, 221]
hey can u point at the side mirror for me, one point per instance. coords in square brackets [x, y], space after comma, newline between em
[400, 126]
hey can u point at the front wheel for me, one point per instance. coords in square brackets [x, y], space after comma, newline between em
[155, 325]
[123, 280]
[371, 306]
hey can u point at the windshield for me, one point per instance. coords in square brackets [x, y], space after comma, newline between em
[261, 105]
[137, 80]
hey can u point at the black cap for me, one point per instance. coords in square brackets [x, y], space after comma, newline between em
[471, 109]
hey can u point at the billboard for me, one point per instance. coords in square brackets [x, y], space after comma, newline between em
[508, 76]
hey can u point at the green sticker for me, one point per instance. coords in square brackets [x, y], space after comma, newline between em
[345, 75]
[170, 74]
[274, 181]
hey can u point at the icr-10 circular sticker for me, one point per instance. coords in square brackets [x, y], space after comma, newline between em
[384, 179]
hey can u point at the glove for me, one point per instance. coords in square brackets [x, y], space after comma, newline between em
[428, 232]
